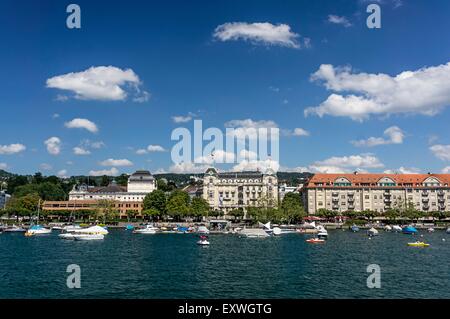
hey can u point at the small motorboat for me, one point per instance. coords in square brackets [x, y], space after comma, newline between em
[430, 230]
[372, 232]
[354, 228]
[387, 228]
[86, 237]
[148, 229]
[37, 230]
[203, 241]
[254, 233]
[409, 230]
[396, 228]
[315, 241]
[448, 230]
[14, 229]
[70, 236]
[129, 227]
[418, 244]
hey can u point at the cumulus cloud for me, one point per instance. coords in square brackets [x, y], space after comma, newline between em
[106, 83]
[425, 91]
[298, 132]
[344, 164]
[109, 172]
[155, 148]
[219, 156]
[116, 162]
[441, 151]
[62, 173]
[403, 170]
[258, 33]
[11, 149]
[339, 20]
[394, 136]
[446, 170]
[256, 165]
[53, 145]
[248, 128]
[83, 124]
[188, 167]
[81, 151]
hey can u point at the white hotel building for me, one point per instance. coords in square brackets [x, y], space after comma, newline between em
[377, 192]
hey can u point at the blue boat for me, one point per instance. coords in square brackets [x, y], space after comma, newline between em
[354, 228]
[129, 227]
[409, 230]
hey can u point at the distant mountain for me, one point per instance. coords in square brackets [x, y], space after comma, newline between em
[5, 174]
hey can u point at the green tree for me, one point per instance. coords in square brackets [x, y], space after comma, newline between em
[199, 207]
[151, 213]
[178, 204]
[237, 213]
[156, 200]
[292, 208]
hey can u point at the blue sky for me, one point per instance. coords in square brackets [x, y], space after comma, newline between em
[188, 70]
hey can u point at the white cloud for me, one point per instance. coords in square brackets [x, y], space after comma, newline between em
[110, 172]
[248, 128]
[339, 20]
[300, 132]
[248, 155]
[93, 144]
[258, 33]
[256, 165]
[155, 148]
[116, 162]
[53, 145]
[187, 167]
[11, 149]
[446, 170]
[81, 151]
[83, 124]
[55, 116]
[394, 136]
[100, 83]
[45, 167]
[3, 166]
[141, 151]
[441, 151]
[181, 119]
[62, 173]
[403, 170]
[345, 164]
[425, 91]
[220, 156]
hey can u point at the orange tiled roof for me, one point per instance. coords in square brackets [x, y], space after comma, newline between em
[359, 178]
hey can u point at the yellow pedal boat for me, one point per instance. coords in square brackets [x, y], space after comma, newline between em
[419, 244]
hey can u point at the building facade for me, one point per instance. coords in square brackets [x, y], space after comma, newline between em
[139, 185]
[4, 199]
[377, 192]
[120, 198]
[239, 190]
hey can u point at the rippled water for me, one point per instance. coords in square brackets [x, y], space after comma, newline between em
[127, 265]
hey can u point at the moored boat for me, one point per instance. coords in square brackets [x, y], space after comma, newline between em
[448, 230]
[202, 230]
[409, 230]
[387, 228]
[148, 229]
[254, 233]
[396, 228]
[354, 228]
[372, 232]
[14, 229]
[37, 230]
[86, 237]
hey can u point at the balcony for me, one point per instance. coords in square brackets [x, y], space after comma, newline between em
[335, 207]
[425, 194]
[387, 200]
[440, 192]
[351, 206]
[425, 207]
[387, 193]
[335, 199]
[335, 194]
[425, 200]
[441, 200]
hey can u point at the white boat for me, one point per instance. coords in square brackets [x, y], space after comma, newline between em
[85, 237]
[148, 229]
[37, 230]
[70, 236]
[430, 230]
[202, 230]
[70, 228]
[396, 228]
[448, 230]
[91, 230]
[14, 229]
[387, 228]
[203, 241]
[372, 232]
[254, 233]
[282, 231]
[322, 233]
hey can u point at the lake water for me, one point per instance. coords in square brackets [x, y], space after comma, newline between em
[127, 265]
